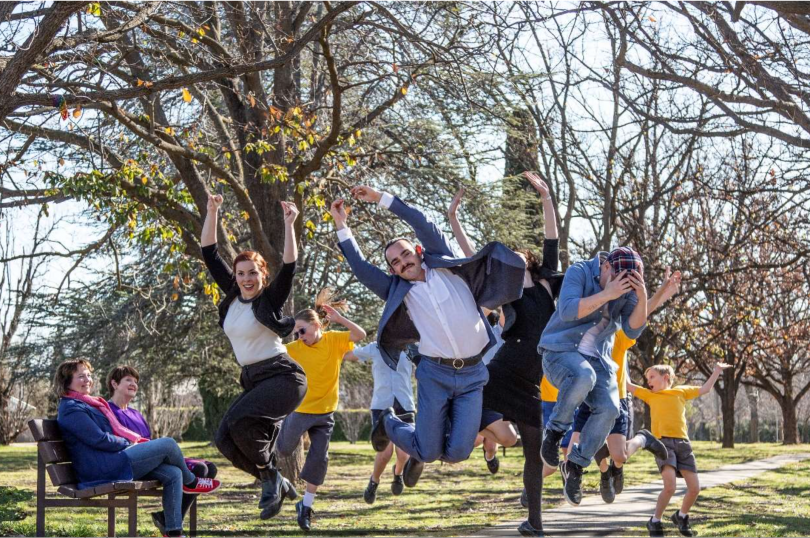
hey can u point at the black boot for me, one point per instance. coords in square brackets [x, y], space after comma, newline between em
[275, 488]
[526, 529]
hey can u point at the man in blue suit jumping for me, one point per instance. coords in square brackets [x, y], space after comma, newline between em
[433, 298]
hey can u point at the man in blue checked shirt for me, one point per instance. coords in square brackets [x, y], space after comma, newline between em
[392, 388]
[598, 297]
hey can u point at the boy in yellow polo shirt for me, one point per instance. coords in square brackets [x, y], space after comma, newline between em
[668, 414]
[320, 353]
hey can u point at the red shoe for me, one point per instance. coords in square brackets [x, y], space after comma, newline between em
[203, 485]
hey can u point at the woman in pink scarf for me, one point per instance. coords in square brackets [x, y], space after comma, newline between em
[102, 450]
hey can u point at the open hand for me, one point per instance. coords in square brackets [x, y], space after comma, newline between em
[538, 184]
[720, 366]
[366, 194]
[332, 315]
[636, 280]
[290, 212]
[671, 285]
[451, 211]
[618, 285]
[214, 201]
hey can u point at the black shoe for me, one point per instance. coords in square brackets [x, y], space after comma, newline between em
[397, 484]
[526, 529]
[379, 438]
[305, 514]
[550, 449]
[159, 519]
[524, 499]
[271, 487]
[618, 477]
[572, 476]
[656, 529]
[653, 445]
[271, 505]
[683, 524]
[370, 495]
[494, 464]
[606, 488]
[412, 471]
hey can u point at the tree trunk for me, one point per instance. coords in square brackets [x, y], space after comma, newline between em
[753, 404]
[521, 156]
[789, 419]
[727, 397]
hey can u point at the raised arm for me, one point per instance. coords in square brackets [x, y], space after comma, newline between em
[371, 276]
[290, 245]
[209, 231]
[670, 286]
[638, 317]
[428, 234]
[709, 384]
[461, 236]
[549, 215]
[222, 274]
[356, 332]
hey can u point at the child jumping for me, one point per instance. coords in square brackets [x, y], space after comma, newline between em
[668, 414]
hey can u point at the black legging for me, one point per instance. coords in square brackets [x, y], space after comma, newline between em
[531, 437]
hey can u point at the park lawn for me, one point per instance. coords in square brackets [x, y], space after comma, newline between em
[449, 500]
[775, 503]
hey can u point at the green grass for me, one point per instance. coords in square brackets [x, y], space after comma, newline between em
[449, 500]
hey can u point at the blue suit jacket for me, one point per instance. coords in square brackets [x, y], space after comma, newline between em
[97, 454]
[494, 275]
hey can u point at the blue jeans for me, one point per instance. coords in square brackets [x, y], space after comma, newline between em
[449, 404]
[582, 379]
[162, 460]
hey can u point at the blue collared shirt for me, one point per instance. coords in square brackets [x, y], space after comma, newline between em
[388, 383]
[564, 331]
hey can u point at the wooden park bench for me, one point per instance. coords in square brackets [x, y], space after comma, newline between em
[52, 455]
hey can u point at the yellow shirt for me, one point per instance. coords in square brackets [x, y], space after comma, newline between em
[321, 364]
[621, 344]
[668, 409]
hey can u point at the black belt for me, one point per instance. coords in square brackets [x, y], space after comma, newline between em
[458, 364]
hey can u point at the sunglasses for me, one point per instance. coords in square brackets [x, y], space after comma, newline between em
[300, 332]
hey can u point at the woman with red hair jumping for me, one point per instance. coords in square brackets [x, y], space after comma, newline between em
[274, 384]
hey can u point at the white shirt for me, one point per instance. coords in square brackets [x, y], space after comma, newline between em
[388, 383]
[587, 346]
[442, 309]
[497, 330]
[252, 342]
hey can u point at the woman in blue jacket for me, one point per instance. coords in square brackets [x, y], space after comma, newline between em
[102, 450]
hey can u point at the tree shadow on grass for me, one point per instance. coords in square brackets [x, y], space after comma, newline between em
[18, 461]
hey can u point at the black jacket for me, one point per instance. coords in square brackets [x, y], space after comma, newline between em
[267, 307]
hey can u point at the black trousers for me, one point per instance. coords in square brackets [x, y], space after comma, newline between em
[273, 389]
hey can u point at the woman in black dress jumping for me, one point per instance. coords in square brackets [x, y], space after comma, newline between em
[513, 390]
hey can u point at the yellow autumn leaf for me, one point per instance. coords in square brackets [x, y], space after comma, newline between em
[140, 82]
[652, 19]
[144, 180]
[245, 215]
[175, 296]
[404, 90]
[187, 95]
[77, 112]
[168, 131]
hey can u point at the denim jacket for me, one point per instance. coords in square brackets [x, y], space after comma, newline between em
[564, 331]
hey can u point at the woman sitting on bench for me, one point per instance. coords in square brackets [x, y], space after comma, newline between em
[122, 384]
[102, 450]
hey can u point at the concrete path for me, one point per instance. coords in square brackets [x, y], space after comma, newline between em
[633, 507]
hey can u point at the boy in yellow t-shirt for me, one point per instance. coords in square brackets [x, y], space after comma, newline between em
[668, 413]
[320, 353]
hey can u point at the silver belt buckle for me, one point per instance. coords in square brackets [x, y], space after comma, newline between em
[458, 367]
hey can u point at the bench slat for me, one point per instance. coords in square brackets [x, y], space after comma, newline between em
[61, 474]
[53, 451]
[71, 490]
[44, 429]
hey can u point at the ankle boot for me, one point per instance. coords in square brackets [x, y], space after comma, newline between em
[271, 487]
